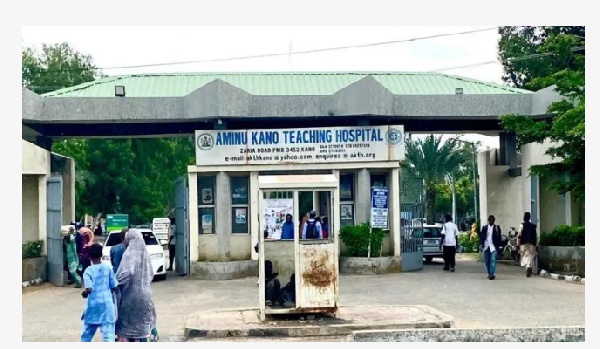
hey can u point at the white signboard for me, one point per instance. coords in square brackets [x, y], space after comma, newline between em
[300, 145]
[275, 211]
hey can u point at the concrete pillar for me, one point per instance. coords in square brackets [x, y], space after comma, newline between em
[394, 210]
[254, 212]
[316, 203]
[363, 196]
[568, 202]
[482, 164]
[193, 215]
[223, 216]
[42, 212]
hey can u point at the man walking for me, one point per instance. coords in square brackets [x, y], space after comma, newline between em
[489, 239]
[449, 238]
[312, 228]
[527, 242]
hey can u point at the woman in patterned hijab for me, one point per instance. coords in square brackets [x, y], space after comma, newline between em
[136, 313]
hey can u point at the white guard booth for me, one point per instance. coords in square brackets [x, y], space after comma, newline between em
[315, 261]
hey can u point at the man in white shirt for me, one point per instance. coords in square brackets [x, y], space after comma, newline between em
[489, 239]
[449, 239]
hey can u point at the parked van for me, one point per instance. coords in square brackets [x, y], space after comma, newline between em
[160, 228]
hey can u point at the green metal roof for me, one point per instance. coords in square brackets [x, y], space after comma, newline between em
[282, 84]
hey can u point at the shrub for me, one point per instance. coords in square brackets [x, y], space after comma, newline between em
[564, 235]
[32, 249]
[469, 245]
[356, 239]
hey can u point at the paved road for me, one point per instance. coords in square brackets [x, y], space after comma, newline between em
[512, 300]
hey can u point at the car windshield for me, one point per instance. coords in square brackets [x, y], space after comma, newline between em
[149, 238]
[113, 239]
[430, 233]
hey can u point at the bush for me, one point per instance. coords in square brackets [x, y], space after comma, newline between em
[469, 245]
[356, 239]
[32, 249]
[564, 235]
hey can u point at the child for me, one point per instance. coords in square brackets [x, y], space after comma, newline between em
[99, 281]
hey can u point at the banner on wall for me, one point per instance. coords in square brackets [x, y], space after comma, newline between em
[274, 214]
[300, 145]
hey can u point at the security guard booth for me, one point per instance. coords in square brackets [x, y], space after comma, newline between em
[315, 261]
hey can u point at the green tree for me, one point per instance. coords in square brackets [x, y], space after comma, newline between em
[520, 41]
[133, 176]
[567, 128]
[55, 67]
[432, 160]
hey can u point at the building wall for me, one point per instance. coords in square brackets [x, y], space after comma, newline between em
[508, 198]
[207, 247]
[35, 171]
[30, 208]
[500, 194]
[241, 247]
[552, 207]
[35, 160]
[225, 246]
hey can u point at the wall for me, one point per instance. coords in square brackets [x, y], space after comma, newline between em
[36, 160]
[564, 260]
[281, 253]
[225, 246]
[33, 268]
[500, 194]
[508, 198]
[207, 247]
[552, 207]
[241, 247]
[30, 208]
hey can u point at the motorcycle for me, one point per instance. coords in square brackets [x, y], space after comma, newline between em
[508, 246]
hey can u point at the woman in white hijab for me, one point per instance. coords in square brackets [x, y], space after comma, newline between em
[136, 313]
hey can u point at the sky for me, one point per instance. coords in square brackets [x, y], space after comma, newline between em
[129, 46]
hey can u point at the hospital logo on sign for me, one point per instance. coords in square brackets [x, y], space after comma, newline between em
[394, 136]
[205, 141]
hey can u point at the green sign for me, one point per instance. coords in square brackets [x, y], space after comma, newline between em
[116, 222]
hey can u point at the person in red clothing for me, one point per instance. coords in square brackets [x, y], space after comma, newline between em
[325, 227]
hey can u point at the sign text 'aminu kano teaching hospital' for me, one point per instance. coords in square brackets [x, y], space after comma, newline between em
[300, 145]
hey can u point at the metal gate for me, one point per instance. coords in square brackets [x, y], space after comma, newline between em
[54, 241]
[412, 214]
[182, 237]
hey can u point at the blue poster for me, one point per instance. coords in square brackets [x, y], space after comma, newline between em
[379, 208]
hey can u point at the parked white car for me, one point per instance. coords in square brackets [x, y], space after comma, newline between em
[154, 249]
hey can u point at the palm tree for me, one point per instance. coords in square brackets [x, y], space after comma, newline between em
[434, 161]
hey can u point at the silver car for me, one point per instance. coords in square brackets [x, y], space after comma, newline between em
[432, 242]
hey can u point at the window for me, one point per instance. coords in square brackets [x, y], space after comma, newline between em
[430, 233]
[206, 204]
[114, 239]
[239, 204]
[149, 238]
[379, 180]
[346, 199]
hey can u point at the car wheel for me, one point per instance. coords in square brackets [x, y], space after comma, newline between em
[428, 259]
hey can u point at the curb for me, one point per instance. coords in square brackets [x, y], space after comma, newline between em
[536, 334]
[34, 282]
[312, 328]
[568, 278]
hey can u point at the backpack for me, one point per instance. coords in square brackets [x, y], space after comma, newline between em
[311, 230]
